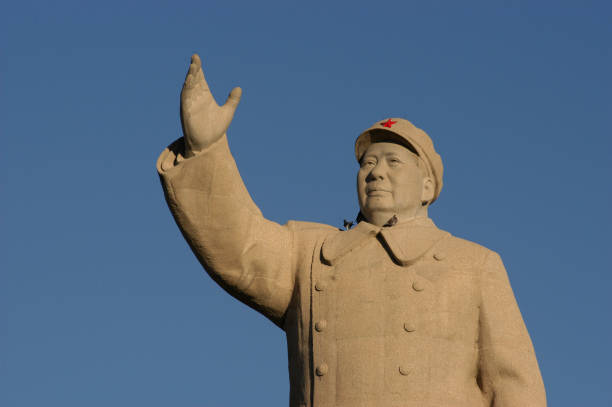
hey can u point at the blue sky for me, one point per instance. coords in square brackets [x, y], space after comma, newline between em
[101, 301]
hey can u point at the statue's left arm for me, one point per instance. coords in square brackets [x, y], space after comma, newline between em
[508, 370]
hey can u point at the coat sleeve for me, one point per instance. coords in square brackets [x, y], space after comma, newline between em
[249, 256]
[508, 370]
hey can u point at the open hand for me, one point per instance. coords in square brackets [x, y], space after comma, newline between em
[203, 120]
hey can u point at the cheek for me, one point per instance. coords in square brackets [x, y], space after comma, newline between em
[360, 189]
[407, 184]
[361, 183]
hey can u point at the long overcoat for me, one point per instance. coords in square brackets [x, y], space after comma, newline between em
[406, 315]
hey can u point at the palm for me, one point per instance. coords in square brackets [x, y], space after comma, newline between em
[203, 120]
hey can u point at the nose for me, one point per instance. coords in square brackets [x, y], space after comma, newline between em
[377, 172]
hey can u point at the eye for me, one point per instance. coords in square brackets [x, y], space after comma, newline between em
[394, 161]
[368, 162]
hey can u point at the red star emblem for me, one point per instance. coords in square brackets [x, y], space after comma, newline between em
[388, 123]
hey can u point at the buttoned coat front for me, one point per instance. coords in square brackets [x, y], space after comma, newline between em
[406, 315]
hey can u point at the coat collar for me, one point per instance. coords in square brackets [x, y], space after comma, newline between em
[405, 242]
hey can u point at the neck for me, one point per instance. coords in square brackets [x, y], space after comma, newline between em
[381, 218]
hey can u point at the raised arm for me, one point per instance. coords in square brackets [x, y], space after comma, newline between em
[249, 256]
[508, 371]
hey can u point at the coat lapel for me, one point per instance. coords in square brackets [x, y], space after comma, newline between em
[405, 242]
[339, 244]
[408, 242]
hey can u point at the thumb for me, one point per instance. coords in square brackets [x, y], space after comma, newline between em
[233, 99]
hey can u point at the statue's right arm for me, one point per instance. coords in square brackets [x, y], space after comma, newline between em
[248, 255]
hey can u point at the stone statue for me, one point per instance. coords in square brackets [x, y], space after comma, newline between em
[391, 312]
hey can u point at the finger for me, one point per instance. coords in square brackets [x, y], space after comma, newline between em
[195, 59]
[229, 108]
[195, 68]
[234, 98]
[195, 74]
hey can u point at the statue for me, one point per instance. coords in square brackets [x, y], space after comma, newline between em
[390, 312]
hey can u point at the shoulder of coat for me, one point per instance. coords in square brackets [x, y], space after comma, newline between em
[464, 251]
[310, 226]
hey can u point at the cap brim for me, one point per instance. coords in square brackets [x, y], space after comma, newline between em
[372, 136]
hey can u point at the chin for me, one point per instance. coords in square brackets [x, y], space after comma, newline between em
[378, 204]
[370, 210]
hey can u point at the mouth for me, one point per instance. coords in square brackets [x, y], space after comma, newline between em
[375, 191]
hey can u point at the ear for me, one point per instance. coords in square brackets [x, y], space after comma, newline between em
[427, 193]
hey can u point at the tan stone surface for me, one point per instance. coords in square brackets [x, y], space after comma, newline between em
[385, 314]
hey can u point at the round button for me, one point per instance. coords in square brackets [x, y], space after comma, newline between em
[418, 286]
[409, 327]
[322, 369]
[320, 286]
[404, 370]
[320, 325]
[439, 256]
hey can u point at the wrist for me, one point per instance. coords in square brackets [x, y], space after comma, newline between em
[191, 150]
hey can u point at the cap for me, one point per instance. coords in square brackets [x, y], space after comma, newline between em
[403, 132]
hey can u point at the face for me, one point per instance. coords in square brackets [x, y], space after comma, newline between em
[391, 182]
